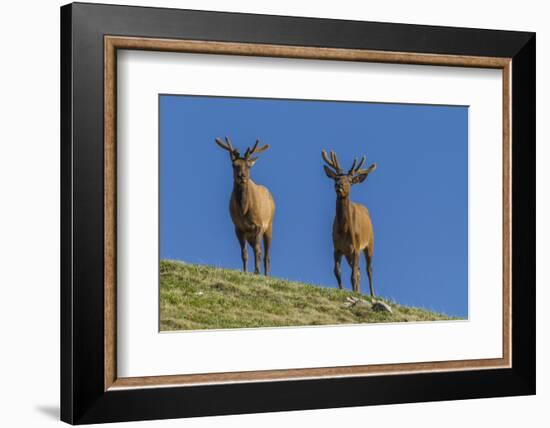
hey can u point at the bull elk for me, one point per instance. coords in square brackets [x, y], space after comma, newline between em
[251, 206]
[352, 231]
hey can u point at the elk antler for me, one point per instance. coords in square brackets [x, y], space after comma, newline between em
[255, 150]
[332, 161]
[335, 160]
[227, 146]
[354, 170]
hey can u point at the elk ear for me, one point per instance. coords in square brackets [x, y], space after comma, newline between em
[250, 162]
[361, 175]
[330, 173]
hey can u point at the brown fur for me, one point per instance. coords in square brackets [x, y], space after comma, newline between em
[251, 207]
[352, 231]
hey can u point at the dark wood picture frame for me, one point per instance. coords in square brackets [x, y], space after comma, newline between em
[90, 389]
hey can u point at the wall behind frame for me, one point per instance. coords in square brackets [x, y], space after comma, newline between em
[29, 221]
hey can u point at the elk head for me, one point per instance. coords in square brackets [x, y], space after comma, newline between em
[344, 181]
[241, 164]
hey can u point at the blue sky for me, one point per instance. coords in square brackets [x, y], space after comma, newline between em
[417, 197]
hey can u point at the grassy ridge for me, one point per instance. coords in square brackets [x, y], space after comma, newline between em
[196, 297]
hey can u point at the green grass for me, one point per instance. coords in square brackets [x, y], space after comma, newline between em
[194, 297]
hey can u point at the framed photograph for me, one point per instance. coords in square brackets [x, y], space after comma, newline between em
[265, 213]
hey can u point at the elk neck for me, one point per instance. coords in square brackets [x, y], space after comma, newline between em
[241, 192]
[343, 212]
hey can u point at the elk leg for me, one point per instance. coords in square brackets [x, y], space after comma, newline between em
[257, 246]
[350, 263]
[368, 257]
[244, 252]
[337, 270]
[355, 273]
[267, 244]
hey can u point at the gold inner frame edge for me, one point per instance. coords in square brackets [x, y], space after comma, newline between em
[113, 43]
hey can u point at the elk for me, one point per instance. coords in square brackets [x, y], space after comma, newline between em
[352, 231]
[251, 206]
